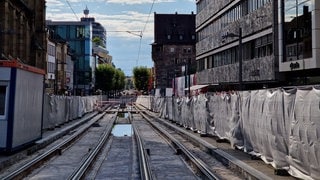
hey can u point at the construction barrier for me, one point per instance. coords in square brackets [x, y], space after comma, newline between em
[280, 126]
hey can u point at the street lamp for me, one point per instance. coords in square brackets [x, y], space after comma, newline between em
[239, 53]
[188, 73]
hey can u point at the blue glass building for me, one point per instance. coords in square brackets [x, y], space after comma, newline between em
[78, 34]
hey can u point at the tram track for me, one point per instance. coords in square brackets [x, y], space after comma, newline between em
[121, 157]
[77, 156]
[57, 149]
[156, 149]
[203, 164]
[162, 159]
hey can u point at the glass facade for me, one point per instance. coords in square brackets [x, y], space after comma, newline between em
[78, 36]
[297, 31]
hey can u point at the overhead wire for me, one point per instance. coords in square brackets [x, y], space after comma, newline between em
[72, 9]
[131, 32]
[142, 31]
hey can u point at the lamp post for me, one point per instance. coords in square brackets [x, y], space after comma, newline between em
[188, 70]
[239, 53]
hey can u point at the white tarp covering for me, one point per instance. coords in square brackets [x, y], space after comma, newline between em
[304, 137]
[224, 117]
[282, 127]
[61, 109]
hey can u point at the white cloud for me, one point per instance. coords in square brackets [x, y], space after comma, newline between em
[137, 1]
[54, 3]
[126, 21]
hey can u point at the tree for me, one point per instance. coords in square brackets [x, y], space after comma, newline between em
[119, 80]
[109, 79]
[98, 41]
[141, 76]
[105, 77]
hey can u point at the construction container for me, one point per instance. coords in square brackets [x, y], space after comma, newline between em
[21, 101]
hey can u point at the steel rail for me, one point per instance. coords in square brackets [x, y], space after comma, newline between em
[204, 169]
[85, 164]
[146, 173]
[23, 170]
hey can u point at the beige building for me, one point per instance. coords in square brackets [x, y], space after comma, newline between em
[22, 31]
[56, 71]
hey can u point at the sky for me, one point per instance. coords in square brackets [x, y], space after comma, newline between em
[136, 16]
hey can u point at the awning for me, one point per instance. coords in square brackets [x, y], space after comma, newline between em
[196, 87]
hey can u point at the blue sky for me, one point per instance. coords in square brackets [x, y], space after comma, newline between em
[122, 15]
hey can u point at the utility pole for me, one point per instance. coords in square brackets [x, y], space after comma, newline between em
[240, 59]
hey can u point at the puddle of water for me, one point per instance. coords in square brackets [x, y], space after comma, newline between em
[120, 130]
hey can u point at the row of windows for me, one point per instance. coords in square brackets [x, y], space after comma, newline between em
[72, 32]
[204, 3]
[230, 16]
[180, 37]
[51, 50]
[257, 48]
[51, 67]
[172, 50]
[180, 61]
[252, 3]
[185, 50]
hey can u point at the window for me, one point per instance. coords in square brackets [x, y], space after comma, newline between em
[3, 94]
[80, 32]
[263, 46]
[201, 64]
[297, 30]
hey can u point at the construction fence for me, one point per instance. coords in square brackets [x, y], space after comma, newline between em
[280, 126]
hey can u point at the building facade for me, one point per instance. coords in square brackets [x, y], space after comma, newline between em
[299, 41]
[58, 63]
[278, 43]
[173, 48]
[22, 31]
[79, 37]
[224, 27]
[97, 29]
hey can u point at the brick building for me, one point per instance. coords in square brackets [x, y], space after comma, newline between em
[173, 47]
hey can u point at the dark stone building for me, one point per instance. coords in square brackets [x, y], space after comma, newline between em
[173, 47]
[22, 31]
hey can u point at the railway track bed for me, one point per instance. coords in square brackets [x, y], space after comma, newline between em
[147, 148]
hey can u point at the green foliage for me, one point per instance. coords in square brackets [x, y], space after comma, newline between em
[141, 76]
[98, 41]
[105, 77]
[119, 79]
[108, 78]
